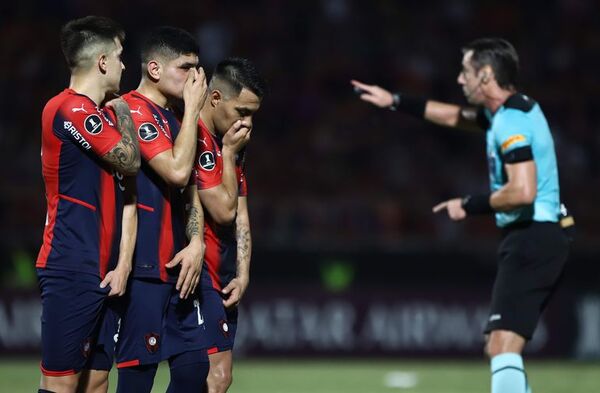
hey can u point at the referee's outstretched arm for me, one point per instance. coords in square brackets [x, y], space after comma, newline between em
[443, 114]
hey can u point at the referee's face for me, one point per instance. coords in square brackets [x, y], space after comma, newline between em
[470, 80]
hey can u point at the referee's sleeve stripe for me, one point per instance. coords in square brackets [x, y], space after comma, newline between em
[520, 154]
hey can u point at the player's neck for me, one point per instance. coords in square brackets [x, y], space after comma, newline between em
[88, 86]
[497, 98]
[206, 118]
[151, 92]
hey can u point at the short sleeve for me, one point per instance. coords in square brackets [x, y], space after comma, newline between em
[512, 131]
[152, 137]
[85, 125]
[209, 165]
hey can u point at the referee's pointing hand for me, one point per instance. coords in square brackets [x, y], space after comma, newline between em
[454, 208]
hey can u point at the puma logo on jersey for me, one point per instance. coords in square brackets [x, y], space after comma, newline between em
[138, 110]
[82, 109]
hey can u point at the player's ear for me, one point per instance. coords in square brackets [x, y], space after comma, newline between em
[102, 63]
[216, 97]
[153, 69]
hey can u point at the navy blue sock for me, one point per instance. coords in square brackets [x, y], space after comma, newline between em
[188, 372]
[138, 379]
[44, 391]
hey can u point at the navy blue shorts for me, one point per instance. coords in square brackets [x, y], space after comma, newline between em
[185, 326]
[72, 307]
[103, 353]
[220, 324]
[155, 324]
[143, 309]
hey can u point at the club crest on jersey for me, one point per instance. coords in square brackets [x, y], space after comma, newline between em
[152, 341]
[93, 124]
[207, 161]
[224, 327]
[147, 132]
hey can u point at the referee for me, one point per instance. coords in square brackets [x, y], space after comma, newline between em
[524, 195]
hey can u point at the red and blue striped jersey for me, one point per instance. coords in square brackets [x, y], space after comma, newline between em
[161, 207]
[220, 256]
[83, 195]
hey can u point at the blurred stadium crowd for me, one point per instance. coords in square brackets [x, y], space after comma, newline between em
[326, 171]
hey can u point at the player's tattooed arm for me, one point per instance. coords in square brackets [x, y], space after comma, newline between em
[190, 258]
[125, 156]
[195, 215]
[194, 222]
[244, 246]
[237, 287]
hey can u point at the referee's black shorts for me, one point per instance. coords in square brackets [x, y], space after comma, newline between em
[531, 259]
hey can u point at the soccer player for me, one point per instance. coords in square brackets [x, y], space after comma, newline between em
[166, 264]
[236, 92]
[82, 147]
[524, 195]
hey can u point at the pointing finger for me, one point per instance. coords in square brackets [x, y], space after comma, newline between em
[439, 207]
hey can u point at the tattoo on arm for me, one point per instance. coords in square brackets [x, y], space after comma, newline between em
[125, 156]
[193, 224]
[244, 244]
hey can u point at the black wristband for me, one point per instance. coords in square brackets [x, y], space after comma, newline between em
[477, 204]
[409, 104]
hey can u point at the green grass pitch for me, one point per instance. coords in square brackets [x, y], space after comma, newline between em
[349, 376]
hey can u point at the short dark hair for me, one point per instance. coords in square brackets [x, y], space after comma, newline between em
[500, 55]
[240, 73]
[78, 34]
[169, 42]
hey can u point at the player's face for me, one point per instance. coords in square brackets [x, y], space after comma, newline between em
[115, 67]
[228, 111]
[174, 75]
[470, 80]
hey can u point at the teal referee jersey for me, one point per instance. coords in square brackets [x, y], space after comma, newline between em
[517, 132]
